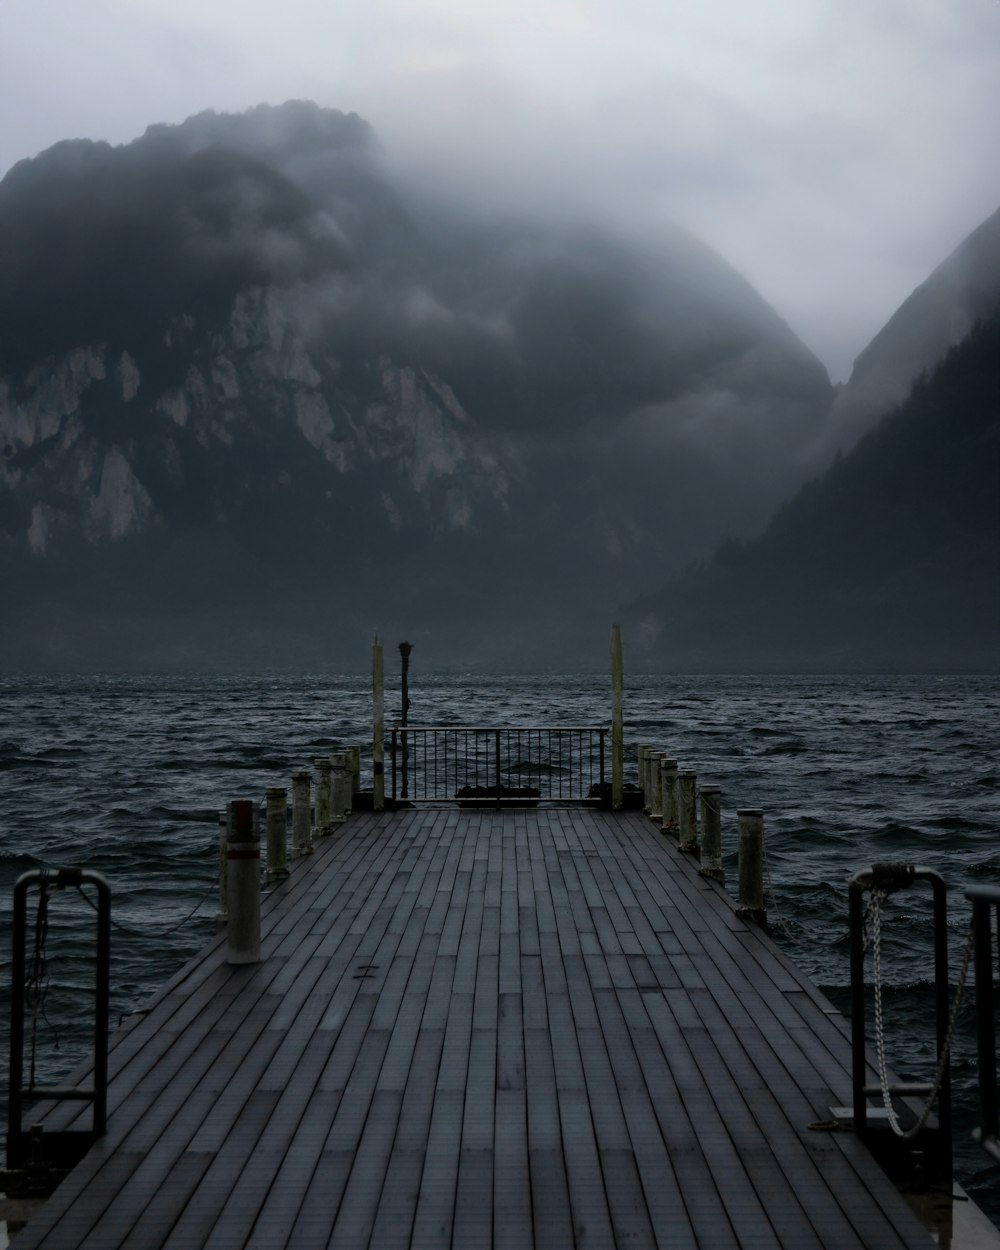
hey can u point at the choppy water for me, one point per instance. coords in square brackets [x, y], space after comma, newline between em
[127, 775]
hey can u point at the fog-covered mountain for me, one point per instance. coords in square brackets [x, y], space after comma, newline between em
[888, 562]
[257, 397]
[963, 289]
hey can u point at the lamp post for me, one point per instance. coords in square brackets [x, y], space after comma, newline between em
[404, 652]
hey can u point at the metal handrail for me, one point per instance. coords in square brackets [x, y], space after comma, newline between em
[887, 879]
[497, 764]
[982, 899]
[63, 1148]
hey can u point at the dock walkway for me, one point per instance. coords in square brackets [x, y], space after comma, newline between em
[483, 1029]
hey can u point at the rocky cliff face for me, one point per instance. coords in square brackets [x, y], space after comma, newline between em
[261, 378]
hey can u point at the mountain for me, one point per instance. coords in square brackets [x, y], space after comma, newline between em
[940, 313]
[888, 562]
[258, 396]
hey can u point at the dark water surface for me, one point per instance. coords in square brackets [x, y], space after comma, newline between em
[127, 774]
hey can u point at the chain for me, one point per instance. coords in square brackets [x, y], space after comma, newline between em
[876, 940]
[36, 981]
[153, 933]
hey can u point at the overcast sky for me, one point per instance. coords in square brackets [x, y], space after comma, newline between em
[834, 151]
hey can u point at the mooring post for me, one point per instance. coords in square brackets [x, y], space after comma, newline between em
[656, 784]
[243, 882]
[617, 721]
[687, 811]
[355, 754]
[642, 753]
[340, 786]
[322, 798]
[711, 833]
[378, 726]
[277, 833]
[301, 814]
[750, 822]
[668, 785]
[221, 915]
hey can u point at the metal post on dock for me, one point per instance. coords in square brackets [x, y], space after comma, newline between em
[750, 821]
[711, 834]
[243, 880]
[687, 811]
[617, 722]
[404, 655]
[668, 787]
[277, 833]
[378, 726]
[301, 815]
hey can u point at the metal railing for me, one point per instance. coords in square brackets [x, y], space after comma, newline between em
[33, 1151]
[983, 898]
[498, 765]
[924, 1150]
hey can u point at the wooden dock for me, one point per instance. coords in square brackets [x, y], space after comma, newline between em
[484, 1028]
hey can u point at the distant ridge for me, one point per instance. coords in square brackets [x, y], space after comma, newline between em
[941, 311]
[888, 562]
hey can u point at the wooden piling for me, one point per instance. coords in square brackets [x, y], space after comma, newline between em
[711, 833]
[223, 912]
[668, 785]
[687, 812]
[617, 719]
[355, 755]
[322, 798]
[341, 776]
[301, 814]
[642, 755]
[656, 785]
[277, 833]
[751, 865]
[243, 885]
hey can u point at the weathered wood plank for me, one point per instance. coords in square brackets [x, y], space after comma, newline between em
[483, 1028]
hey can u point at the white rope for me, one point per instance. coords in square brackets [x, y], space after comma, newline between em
[874, 911]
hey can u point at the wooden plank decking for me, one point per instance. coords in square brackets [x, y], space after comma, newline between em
[511, 1029]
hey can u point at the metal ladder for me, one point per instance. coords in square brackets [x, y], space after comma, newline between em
[35, 1156]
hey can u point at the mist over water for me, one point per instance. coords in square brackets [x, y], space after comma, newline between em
[127, 775]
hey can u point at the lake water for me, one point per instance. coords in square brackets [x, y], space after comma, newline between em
[126, 775]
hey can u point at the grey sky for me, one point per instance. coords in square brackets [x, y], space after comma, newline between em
[834, 151]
